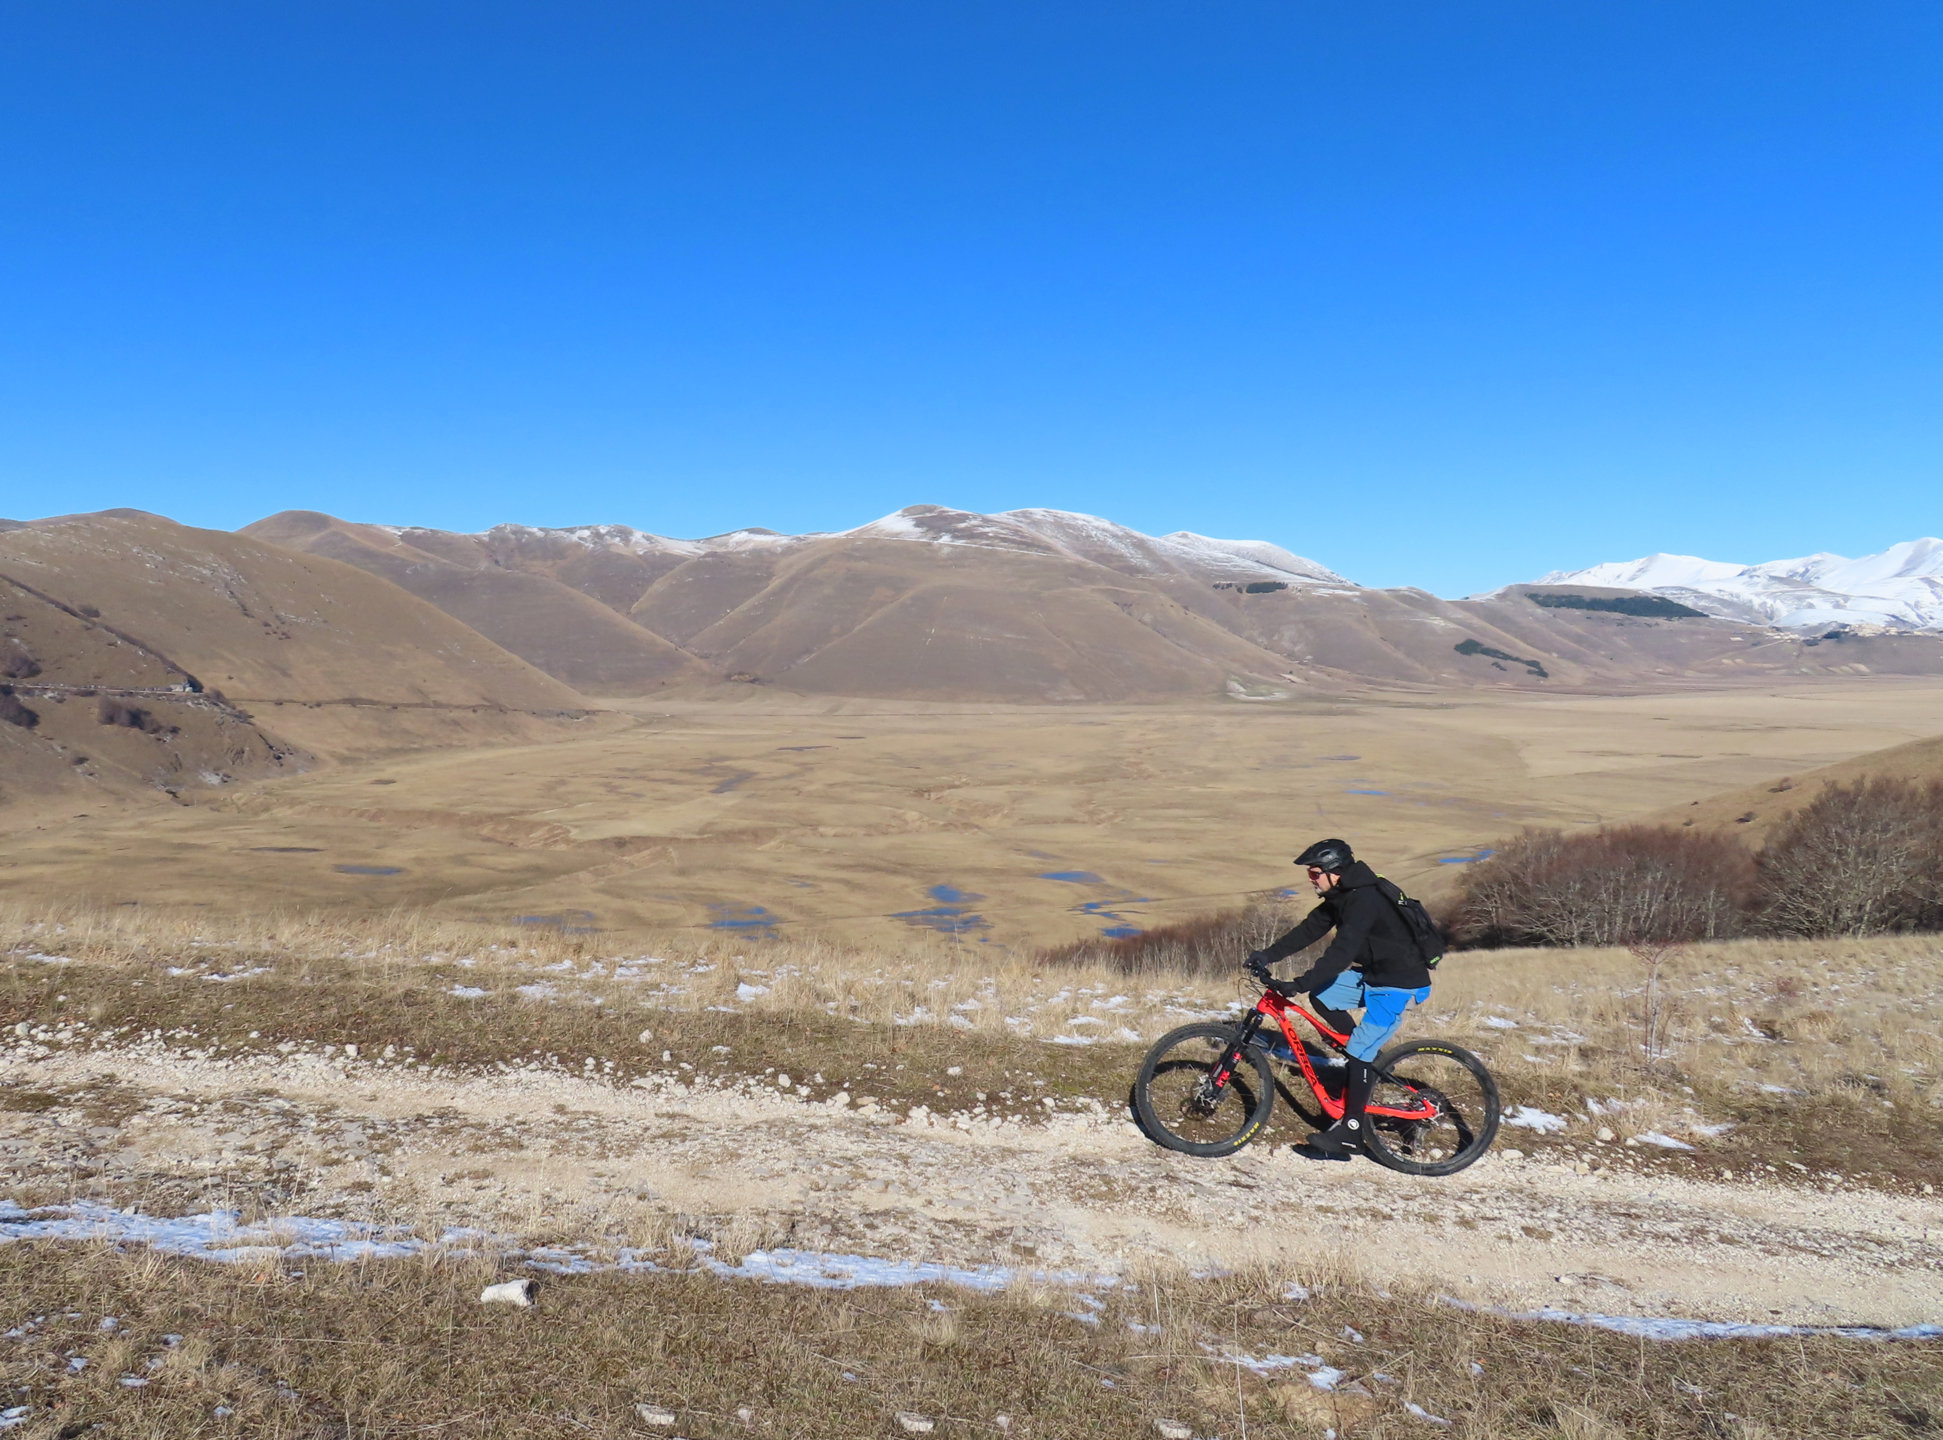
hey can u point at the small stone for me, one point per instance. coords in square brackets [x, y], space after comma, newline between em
[508, 1292]
[352, 1051]
[1606, 1137]
[391, 1052]
[655, 1415]
[746, 1416]
[1173, 1430]
[1002, 1423]
[914, 1423]
[23, 1029]
[645, 1036]
[782, 1082]
[954, 1069]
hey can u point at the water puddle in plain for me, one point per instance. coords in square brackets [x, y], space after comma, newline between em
[952, 915]
[567, 922]
[744, 919]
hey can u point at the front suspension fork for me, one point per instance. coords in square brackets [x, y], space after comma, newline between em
[1224, 1069]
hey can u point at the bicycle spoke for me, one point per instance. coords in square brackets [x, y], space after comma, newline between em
[1187, 1106]
[1460, 1096]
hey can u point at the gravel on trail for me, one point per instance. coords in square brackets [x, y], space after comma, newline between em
[539, 1152]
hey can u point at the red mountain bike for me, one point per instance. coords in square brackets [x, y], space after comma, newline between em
[1207, 1090]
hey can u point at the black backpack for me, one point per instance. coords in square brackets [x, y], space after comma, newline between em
[1416, 919]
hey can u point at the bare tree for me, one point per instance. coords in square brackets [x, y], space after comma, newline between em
[1857, 860]
[1655, 1014]
[1627, 885]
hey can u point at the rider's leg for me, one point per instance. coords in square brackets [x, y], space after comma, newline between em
[1383, 1009]
[1345, 1137]
[1336, 999]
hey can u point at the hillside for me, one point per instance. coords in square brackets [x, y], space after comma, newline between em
[556, 603]
[1752, 812]
[145, 656]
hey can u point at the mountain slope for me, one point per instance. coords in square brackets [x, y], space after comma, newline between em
[1901, 588]
[555, 602]
[1040, 605]
[172, 657]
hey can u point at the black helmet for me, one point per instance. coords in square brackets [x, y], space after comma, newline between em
[1331, 855]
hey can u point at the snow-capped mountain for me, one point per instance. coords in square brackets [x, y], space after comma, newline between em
[1901, 588]
[1055, 532]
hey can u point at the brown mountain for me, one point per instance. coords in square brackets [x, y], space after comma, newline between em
[138, 654]
[556, 603]
[1040, 605]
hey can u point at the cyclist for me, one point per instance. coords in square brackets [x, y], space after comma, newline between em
[1373, 965]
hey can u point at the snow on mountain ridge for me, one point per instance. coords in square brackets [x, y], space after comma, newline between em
[1901, 587]
[1033, 531]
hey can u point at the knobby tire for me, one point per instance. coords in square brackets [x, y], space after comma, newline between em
[1171, 1083]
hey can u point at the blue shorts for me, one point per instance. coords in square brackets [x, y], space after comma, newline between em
[1382, 1007]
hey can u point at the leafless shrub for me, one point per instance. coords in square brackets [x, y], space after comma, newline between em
[1858, 859]
[15, 713]
[19, 663]
[132, 717]
[1624, 885]
[1212, 944]
[1655, 1015]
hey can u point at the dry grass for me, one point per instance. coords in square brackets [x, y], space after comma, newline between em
[399, 1348]
[1823, 1055]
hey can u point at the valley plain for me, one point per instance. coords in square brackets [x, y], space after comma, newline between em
[1017, 826]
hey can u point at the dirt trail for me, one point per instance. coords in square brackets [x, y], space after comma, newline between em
[550, 1152]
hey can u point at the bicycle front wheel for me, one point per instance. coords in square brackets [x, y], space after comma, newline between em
[1180, 1103]
[1462, 1103]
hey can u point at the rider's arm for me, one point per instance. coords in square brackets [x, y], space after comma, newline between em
[1352, 936]
[1301, 937]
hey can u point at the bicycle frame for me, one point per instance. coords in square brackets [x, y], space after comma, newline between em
[1274, 1006]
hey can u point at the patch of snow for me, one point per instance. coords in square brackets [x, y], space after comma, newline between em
[1527, 1117]
[1901, 587]
[1665, 1142]
[466, 992]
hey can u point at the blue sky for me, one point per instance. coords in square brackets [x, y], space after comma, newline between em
[1437, 295]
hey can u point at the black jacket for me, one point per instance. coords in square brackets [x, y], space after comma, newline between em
[1370, 935]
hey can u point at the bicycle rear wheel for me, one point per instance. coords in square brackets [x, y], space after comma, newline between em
[1178, 1104]
[1459, 1090]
